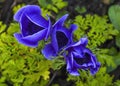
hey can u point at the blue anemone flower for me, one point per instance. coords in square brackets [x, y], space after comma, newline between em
[80, 57]
[60, 38]
[32, 25]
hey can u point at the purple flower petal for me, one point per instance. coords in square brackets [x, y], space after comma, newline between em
[33, 26]
[28, 27]
[31, 40]
[58, 26]
[61, 21]
[72, 67]
[37, 36]
[36, 19]
[94, 70]
[62, 36]
[48, 52]
[30, 9]
[80, 57]
[73, 27]
[49, 29]
[25, 42]
[74, 72]
[82, 41]
[18, 15]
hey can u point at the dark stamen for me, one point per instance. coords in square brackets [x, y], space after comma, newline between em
[81, 61]
[61, 39]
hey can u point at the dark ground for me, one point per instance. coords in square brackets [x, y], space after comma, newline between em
[99, 7]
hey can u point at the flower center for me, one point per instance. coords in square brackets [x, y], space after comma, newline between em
[29, 28]
[33, 28]
[61, 39]
[85, 59]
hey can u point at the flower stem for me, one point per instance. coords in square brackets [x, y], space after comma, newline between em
[51, 80]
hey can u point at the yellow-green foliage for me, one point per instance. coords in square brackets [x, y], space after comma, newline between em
[57, 5]
[58, 63]
[95, 28]
[53, 5]
[2, 27]
[14, 27]
[105, 58]
[117, 83]
[45, 12]
[86, 79]
[16, 8]
[21, 65]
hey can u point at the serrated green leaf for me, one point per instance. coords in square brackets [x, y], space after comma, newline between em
[97, 32]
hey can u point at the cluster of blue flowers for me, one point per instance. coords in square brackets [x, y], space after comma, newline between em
[34, 28]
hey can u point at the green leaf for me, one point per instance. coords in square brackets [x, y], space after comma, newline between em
[18, 79]
[3, 84]
[14, 26]
[2, 79]
[57, 63]
[117, 59]
[43, 3]
[118, 40]
[114, 15]
[97, 32]
[45, 12]
[80, 9]
[59, 3]
[17, 7]
[86, 79]
[19, 64]
[117, 83]
[2, 26]
[52, 7]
